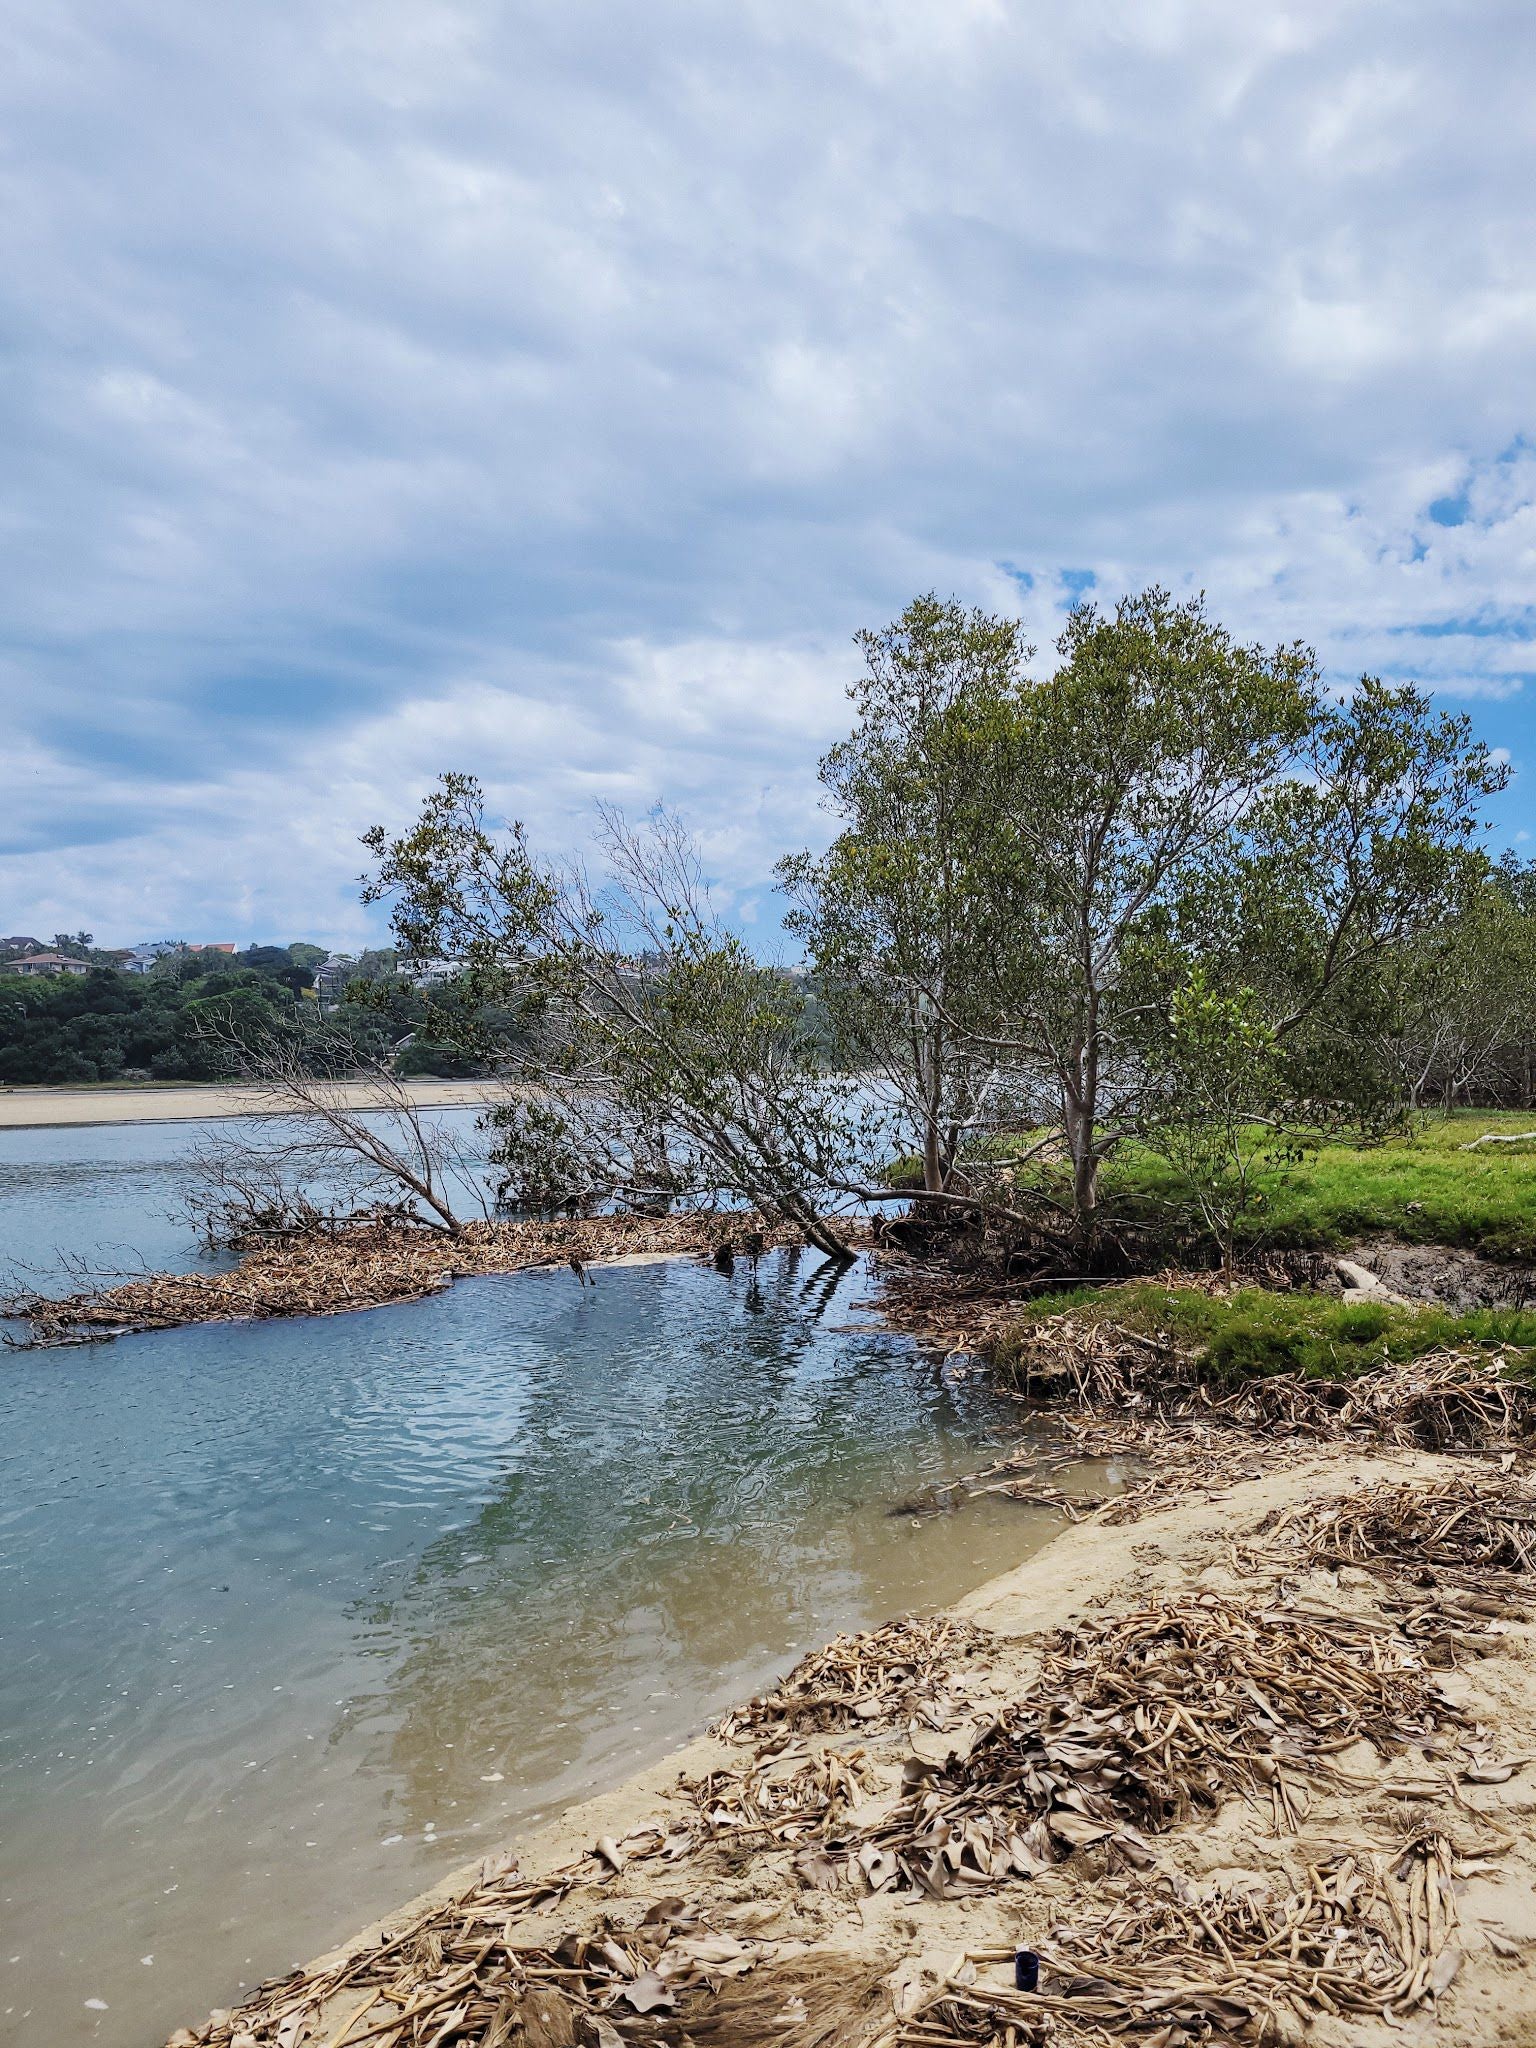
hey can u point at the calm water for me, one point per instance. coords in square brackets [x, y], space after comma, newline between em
[105, 1196]
[298, 1616]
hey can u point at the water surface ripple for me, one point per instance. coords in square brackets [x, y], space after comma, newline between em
[297, 1616]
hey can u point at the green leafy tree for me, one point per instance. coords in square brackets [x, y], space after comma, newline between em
[1457, 1013]
[1217, 1105]
[1134, 772]
[902, 914]
[1183, 803]
[1366, 844]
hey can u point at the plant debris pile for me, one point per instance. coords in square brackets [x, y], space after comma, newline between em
[1445, 1400]
[657, 1976]
[784, 1797]
[1168, 1964]
[331, 1271]
[1129, 1399]
[455, 1977]
[1462, 1528]
[882, 1676]
[1137, 1721]
[1460, 1399]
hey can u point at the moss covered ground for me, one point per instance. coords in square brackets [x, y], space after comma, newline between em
[1255, 1330]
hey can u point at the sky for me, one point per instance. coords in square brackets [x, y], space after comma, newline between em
[552, 390]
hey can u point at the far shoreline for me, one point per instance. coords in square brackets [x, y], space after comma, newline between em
[156, 1102]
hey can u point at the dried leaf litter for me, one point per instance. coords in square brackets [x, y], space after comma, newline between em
[1465, 1527]
[1169, 1963]
[1137, 1722]
[908, 1667]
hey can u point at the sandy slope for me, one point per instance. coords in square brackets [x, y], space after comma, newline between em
[30, 1108]
[1204, 1542]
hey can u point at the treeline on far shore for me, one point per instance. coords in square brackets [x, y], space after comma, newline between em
[174, 1023]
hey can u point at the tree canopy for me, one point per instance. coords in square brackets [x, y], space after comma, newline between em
[1168, 891]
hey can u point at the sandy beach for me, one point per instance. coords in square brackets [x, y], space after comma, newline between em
[38, 1108]
[763, 1914]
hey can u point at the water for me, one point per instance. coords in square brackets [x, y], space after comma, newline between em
[298, 1616]
[102, 1193]
[106, 1196]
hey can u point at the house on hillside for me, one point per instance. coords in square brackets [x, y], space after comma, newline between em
[430, 973]
[45, 963]
[332, 976]
[143, 957]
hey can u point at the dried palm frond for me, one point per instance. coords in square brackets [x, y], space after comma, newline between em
[787, 1798]
[454, 1975]
[1169, 1964]
[1445, 1400]
[1138, 1720]
[883, 1675]
[1464, 1527]
[818, 2000]
[1134, 1401]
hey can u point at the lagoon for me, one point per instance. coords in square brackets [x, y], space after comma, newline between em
[296, 1617]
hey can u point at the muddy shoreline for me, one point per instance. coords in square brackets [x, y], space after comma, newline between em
[744, 1890]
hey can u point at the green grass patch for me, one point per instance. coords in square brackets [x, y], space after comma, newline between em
[1420, 1188]
[1257, 1332]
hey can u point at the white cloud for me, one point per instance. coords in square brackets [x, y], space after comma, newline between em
[554, 391]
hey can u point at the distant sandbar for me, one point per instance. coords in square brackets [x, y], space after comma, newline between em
[173, 1102]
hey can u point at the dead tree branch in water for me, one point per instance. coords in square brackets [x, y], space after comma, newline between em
[339, 1140]
[654, 1059]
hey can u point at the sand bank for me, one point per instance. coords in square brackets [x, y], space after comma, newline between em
[36, 1108]
[772, 1922]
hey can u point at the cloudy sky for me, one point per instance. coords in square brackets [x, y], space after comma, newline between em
[550, 388]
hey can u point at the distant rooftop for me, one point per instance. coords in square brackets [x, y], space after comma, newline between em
[45, 963]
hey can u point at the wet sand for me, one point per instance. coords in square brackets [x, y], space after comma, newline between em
[1212, 1545]
[38, 1108]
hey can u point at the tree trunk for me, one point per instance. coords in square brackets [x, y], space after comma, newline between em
[1080, 1116]
[818, 1230]
[933, 1164]
[1077, 1123]
[1085, 1197]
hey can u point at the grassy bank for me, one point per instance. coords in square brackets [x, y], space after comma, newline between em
[1422, 1187]
[1256, 1331]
